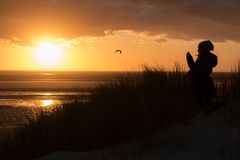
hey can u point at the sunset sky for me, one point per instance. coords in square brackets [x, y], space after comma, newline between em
[84, 34]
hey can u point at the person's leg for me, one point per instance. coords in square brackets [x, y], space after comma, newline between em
[208, 94]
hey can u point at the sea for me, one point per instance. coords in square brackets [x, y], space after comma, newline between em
[24, 93]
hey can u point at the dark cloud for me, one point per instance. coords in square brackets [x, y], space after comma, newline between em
[189, 19]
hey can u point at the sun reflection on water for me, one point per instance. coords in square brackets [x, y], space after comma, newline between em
[47, 94]
[49, 105]
[47, 102]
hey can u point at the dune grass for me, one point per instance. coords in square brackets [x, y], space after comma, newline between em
[229, 91]
[135, 104]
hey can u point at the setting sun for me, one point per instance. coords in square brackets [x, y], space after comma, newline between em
[48, 54]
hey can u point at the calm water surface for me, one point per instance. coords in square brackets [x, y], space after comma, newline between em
[23, 94]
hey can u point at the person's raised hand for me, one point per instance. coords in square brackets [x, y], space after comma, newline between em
[189, 54]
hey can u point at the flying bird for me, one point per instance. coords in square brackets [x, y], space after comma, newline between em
[120, 51]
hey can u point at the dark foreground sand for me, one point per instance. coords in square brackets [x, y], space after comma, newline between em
[204, 138]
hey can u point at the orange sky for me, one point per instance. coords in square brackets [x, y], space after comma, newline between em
[88, 33]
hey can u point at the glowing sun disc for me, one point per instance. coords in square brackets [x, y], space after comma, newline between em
[48, 54]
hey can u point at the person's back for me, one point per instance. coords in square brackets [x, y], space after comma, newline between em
[200, 71]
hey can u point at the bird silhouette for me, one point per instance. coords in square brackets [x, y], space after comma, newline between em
[120, 51]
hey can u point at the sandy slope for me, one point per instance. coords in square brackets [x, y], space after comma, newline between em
[205, 138]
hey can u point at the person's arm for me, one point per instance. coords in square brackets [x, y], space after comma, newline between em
[190, 61]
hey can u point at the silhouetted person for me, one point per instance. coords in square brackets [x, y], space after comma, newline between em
[200, 73]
